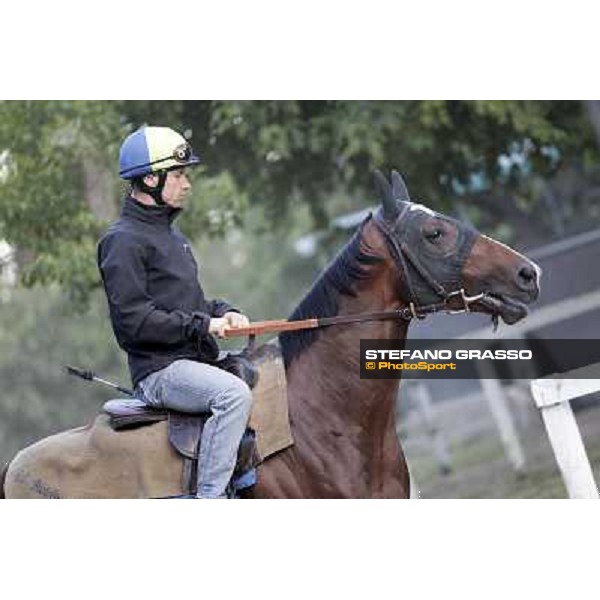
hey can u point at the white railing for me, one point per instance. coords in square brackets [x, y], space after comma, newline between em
[552, 396]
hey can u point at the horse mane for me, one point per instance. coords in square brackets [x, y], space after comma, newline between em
[321, 300]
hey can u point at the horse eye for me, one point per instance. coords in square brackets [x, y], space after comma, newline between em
[434, 235]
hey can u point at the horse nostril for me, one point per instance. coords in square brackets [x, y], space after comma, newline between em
[527, 275]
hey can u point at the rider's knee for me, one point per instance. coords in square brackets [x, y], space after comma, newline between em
[245, 395]
[238, 395]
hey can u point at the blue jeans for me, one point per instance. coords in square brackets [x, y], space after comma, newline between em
[192, 387]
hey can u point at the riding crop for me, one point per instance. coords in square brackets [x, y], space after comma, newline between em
[90, 376]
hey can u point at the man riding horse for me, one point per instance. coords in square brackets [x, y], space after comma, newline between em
[158, 310]
[405, 261]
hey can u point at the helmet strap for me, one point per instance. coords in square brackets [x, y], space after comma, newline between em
[156, 191]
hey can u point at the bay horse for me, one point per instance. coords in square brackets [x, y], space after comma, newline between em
[404, 258]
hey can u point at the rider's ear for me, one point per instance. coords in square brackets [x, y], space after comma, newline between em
[151, 180]
[399, 190]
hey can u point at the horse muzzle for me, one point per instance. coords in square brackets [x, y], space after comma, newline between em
[509, 309]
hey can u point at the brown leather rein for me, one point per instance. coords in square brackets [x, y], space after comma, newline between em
[406, 313]
[400, 254]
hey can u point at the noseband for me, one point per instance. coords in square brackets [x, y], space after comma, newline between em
[403, 257]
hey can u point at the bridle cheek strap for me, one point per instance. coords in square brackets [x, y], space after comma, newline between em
[422, 271]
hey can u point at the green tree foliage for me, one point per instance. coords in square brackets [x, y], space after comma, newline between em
[47, 147]
[58, 164]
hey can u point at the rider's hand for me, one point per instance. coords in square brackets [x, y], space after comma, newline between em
[219, 326]
[236, 320]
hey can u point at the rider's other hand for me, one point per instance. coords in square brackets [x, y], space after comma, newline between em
[219, 326]
[237, 320]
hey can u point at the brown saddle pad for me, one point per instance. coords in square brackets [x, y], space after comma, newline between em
[270, 416]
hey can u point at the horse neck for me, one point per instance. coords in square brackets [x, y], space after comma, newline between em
[331, 366]
[327, 396]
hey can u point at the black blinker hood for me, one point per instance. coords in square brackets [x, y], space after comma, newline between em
[445, 270]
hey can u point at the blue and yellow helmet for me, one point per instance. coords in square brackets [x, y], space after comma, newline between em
[152, 149]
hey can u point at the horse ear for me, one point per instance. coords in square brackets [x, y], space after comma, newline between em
[383, 187]
[399, 187]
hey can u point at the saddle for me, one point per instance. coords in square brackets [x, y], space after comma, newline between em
[185, 433]
[185, 430]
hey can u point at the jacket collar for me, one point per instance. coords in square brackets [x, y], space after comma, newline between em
[158, 216]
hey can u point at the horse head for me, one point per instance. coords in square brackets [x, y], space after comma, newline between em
[447, 264]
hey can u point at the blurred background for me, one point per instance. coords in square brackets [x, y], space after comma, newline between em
[282, 186]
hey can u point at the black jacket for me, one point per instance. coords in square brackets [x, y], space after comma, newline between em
[158, 310]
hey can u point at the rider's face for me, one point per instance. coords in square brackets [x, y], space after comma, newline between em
[177, 185]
